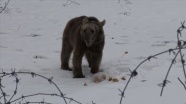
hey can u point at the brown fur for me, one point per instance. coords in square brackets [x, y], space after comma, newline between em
[84, 36]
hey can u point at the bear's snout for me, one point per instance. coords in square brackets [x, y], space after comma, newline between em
[88, 42]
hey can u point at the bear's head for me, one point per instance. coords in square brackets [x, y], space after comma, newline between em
[90, 30]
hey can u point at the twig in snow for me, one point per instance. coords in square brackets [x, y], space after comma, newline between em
[3, 8]
[68, 2]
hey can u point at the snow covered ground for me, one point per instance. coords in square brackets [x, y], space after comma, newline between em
[30, 41]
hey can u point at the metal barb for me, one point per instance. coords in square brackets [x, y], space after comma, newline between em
[122, 93]
[171, 50]
[150, 57]
[33, 74]
[50, 80]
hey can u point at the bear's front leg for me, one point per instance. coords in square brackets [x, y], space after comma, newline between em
[77, 61]
[96, 60]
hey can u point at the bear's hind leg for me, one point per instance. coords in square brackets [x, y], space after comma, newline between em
[65, 54]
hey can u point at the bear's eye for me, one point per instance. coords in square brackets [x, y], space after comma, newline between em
[92, 31]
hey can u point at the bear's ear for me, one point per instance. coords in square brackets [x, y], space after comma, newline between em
[85, 20]
[102, 23]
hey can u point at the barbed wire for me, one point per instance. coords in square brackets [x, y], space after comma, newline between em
[182, 83]
[180, 46]
[15, 74]
[179, 34]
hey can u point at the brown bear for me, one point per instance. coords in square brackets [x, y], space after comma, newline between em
[84, 36]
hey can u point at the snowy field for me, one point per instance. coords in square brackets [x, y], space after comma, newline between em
[30, 41]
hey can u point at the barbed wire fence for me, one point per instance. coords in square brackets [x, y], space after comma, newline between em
[181, 44]
[5, 98]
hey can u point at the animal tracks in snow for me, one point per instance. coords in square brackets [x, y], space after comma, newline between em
[33, 35]
[161, 43]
